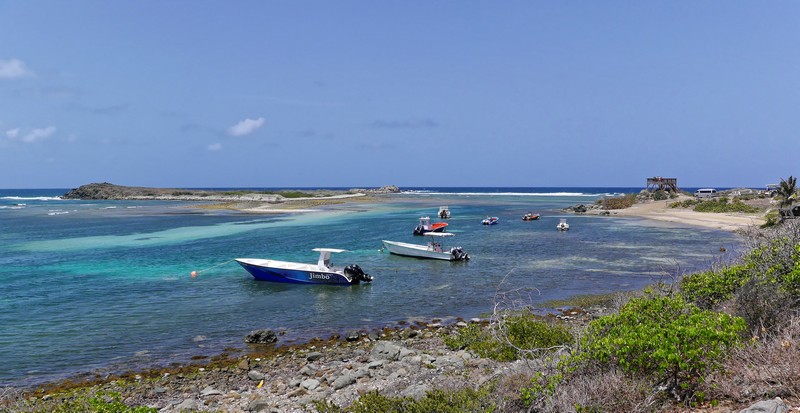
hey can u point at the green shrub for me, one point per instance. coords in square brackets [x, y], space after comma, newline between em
[660, 195]
[722, 205]
[663, 337]
[519, 332]
[459, 401]
[618, 202]
[710, 288]
[97, 403]
[295, 194]
[686, 203]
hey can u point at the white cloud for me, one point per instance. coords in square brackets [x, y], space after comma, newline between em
[214, 147]
[34, 135]
[10, 69]
[246, 127]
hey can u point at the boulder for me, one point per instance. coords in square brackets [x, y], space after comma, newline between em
[775, 405]
[314, 356]
[352, 335]
[344, 380]
[263, 336]
[255, 375]
[385, 351]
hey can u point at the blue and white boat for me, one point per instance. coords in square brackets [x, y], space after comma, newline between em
[323, 272]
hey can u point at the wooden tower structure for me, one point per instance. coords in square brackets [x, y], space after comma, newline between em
[662, 184]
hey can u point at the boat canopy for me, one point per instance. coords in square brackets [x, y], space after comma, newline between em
[325, 256]
[328, 250]
[439, 234]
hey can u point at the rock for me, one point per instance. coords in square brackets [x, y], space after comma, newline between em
[385, 351]
[258, 406]
[244, 364]
[308, 370]
[264, 336]
[461, 324]
[767, 406]
[417, 391]
[314, 356]
[344, 380]
[409, 333]
[404, 352]
[209, 391]
[309, 384]
[186, 405]
[255, 375]
[352, 335]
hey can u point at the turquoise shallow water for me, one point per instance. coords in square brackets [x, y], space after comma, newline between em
[102, 287]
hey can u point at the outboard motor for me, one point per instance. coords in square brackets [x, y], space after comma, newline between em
[459, 254]
[419, 230]
[357, 273]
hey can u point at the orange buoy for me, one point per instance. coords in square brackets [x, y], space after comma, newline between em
[194, 274]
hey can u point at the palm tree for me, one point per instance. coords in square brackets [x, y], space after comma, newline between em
[787, 191]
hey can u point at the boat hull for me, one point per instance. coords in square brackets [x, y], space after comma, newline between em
[263, 272]
[419, 251]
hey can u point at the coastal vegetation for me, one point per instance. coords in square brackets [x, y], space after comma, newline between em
[787, 191]
[719, 205]
[617, 202]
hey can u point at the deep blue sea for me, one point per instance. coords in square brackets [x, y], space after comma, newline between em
[100, 287]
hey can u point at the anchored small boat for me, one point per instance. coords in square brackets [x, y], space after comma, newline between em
[562, 225]
[426, 226]
[323, 272]
[432, 250]
[490, 221]
[444, 212]
[530, 216]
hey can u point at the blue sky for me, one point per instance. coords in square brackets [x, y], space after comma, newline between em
[413, 93]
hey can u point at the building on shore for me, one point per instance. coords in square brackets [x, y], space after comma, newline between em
[662, 184]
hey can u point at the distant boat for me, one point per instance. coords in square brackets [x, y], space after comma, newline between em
[323, 272]
[490, 221]
[425, 226]
[562, 225]
[432, 250]
[530, 216]
[444, 212]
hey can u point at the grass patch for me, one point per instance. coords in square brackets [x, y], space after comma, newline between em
[618, 202]
[511, 339]
[443, 401]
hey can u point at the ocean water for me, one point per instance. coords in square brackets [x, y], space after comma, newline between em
[100, 287]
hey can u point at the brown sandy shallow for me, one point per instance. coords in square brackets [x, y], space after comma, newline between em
[655, 210]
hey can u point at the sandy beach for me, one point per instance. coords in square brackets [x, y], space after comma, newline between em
[660, 211]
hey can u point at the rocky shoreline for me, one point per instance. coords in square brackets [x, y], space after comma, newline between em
[406, 362]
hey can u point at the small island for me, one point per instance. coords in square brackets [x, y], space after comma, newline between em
[245, 200]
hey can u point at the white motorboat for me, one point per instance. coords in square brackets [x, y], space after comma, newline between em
[432, 250]
[444, 212]
[562, 225]
[425, 226]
